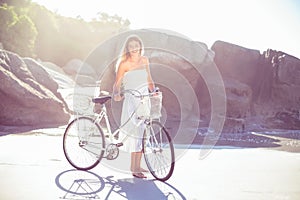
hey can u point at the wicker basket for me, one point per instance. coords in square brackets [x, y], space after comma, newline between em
[156, 105]
[150, 106]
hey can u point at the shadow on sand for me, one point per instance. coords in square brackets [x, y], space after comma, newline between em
[88, 185]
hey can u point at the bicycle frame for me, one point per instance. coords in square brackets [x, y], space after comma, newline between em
[112, 135]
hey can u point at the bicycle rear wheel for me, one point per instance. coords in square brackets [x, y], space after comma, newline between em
[158, 151]
[83, 143]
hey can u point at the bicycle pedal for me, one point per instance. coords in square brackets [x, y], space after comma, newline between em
[119, 144]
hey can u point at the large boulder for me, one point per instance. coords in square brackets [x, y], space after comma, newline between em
[81, 72]
[63, 80]
[236, 62]
[28, 95]
[279, 100]
[238, 104]
[273, 81]
[40, 75]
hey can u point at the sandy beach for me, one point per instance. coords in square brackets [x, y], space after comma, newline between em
[33, 166]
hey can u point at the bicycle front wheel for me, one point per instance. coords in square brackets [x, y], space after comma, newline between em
[83, 143]
[158, 151]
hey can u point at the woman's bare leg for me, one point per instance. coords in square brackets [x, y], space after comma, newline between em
[133, 162]
[136, 164]
[138, 160]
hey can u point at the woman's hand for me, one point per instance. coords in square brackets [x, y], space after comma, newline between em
[154, 90]
[118, 97]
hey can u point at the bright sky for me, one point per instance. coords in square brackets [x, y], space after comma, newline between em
[254, 24]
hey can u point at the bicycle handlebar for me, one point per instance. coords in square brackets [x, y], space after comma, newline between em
[133, 92]
[138, 94]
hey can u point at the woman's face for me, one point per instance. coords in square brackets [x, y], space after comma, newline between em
[134, 47]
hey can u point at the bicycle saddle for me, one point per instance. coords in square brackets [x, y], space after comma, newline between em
[101, 99]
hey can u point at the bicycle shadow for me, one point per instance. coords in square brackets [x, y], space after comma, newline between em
[89, 185]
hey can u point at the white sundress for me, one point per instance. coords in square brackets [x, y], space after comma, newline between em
[137, 80]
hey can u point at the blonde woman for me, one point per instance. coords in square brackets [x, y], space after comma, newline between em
[133, 72]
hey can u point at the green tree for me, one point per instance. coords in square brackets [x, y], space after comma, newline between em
[8, 18]
[17, 33]
[47, 32]
[30, 29]
[18, 3]
[22, 35]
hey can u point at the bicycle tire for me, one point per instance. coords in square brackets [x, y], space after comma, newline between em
[83, 143]
[158, 151]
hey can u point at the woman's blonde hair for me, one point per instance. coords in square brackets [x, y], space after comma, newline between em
[125, 54]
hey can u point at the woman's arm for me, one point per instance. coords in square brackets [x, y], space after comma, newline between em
[151, 85]
[118, 82]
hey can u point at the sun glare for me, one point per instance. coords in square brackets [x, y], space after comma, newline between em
[253, 24]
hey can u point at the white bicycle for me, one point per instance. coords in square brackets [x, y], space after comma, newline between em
[85, 144]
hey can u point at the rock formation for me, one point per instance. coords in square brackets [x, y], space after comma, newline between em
[227, 88]
[272, 78]
[81, 72]
[28, 94]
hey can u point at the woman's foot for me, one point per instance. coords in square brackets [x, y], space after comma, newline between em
[139, 175]
[143, 170]
[139, 169]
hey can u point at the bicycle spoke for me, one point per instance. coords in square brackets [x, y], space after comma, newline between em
[83, 143]
[158, 152]
[90, 151]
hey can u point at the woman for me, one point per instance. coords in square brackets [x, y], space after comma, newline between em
[133, 73]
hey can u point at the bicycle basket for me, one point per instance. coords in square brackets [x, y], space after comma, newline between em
[82, 104]
[143, 109]
[156, 105]
[150, 106]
